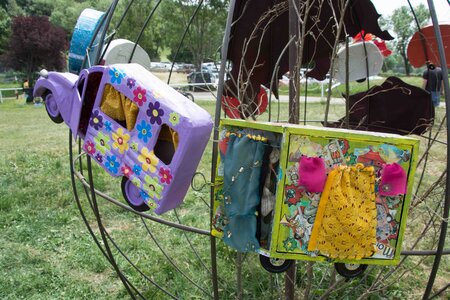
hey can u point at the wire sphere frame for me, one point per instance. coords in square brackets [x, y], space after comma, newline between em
[107, 241]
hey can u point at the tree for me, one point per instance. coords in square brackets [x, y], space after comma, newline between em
[204, 37]
[404, 26]
[4, 29]
[34, 44]
[151, 39]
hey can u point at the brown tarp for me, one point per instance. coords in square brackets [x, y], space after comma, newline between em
[393, 107]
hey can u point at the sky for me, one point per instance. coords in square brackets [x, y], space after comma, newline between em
[386, 7]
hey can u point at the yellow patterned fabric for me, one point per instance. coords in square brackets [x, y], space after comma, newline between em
[346, 220]
[119, 107]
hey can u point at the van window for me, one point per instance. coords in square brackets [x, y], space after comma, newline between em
[119, 108]
[93, 83]
[167, 144]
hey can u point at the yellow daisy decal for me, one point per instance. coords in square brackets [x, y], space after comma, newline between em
[148, 159]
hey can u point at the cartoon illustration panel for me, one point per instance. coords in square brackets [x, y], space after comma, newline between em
[301, 204]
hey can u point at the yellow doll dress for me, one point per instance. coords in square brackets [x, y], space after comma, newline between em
[346, 220]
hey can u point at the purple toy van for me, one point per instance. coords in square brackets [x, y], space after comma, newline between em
[134, 126]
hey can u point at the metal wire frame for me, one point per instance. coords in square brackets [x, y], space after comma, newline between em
[446, 210]
[91, 192]
[293, 104]
[103, 244]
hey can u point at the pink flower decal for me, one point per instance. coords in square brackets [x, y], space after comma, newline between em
[126, 170]
[165, 176]
[89, 147]
[139, 96]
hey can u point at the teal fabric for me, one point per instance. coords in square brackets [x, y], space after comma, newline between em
[242, 172]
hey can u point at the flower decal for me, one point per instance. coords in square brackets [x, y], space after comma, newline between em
[143, 195]
[155, 113]
[116, 75]
[174, 118]
[144, 130]
[152, 187]
[137, 170]
[136, 182]
[96, 120]
[102, 143]
[99, 158]
[139, 96]
[111, 164]
[89, 147]
[120, 140]
[148, 160]
[165, 176]
[131, 83]
[134, 146]
[108, 126]
[126, 170]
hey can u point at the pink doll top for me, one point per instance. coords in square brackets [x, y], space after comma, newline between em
[393, 180]
[312, 174]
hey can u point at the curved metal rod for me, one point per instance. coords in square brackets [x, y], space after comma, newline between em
[102, 231]
[423, 252]
[96, 31]
[272, 80]
[125, 280]
[102, 37]
[144, 215]
[446, 209]
[191, 245]
[226, 41]
[137, 268]
[143, 28]
[170, 260]
[88, 226]
[422, 37]
[441, 290]
[115, 29]
[183, 37]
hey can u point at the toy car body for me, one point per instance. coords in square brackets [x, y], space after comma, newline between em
[134, 126]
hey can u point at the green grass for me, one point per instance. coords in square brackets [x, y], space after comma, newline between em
[10, 85]
[314, 89]
[47, 253]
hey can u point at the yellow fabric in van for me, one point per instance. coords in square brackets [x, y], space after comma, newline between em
[119, 107]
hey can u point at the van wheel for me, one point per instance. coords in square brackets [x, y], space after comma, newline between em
[275, 265]
[350, 270]
[51, 107]
[132, 195]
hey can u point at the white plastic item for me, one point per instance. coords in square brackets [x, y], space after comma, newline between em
[119, 52]
[357, 69]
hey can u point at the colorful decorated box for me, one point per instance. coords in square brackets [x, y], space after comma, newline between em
[135, 126]
[324, 194]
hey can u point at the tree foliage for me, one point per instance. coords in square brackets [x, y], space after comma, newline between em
[404, 26]
[206, 31]
[34, 44]
[162, 34]
[4, 29]
[151, 39]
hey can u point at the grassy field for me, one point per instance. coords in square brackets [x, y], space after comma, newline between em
[314, 89]
[47, 253]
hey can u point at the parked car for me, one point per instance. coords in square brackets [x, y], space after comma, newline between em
[202, 81]
[133, 125]
[210, 67]
[185, 68]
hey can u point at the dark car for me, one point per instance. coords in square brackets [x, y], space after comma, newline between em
[202, 81]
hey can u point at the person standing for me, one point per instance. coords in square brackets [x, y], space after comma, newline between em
[432, 82]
